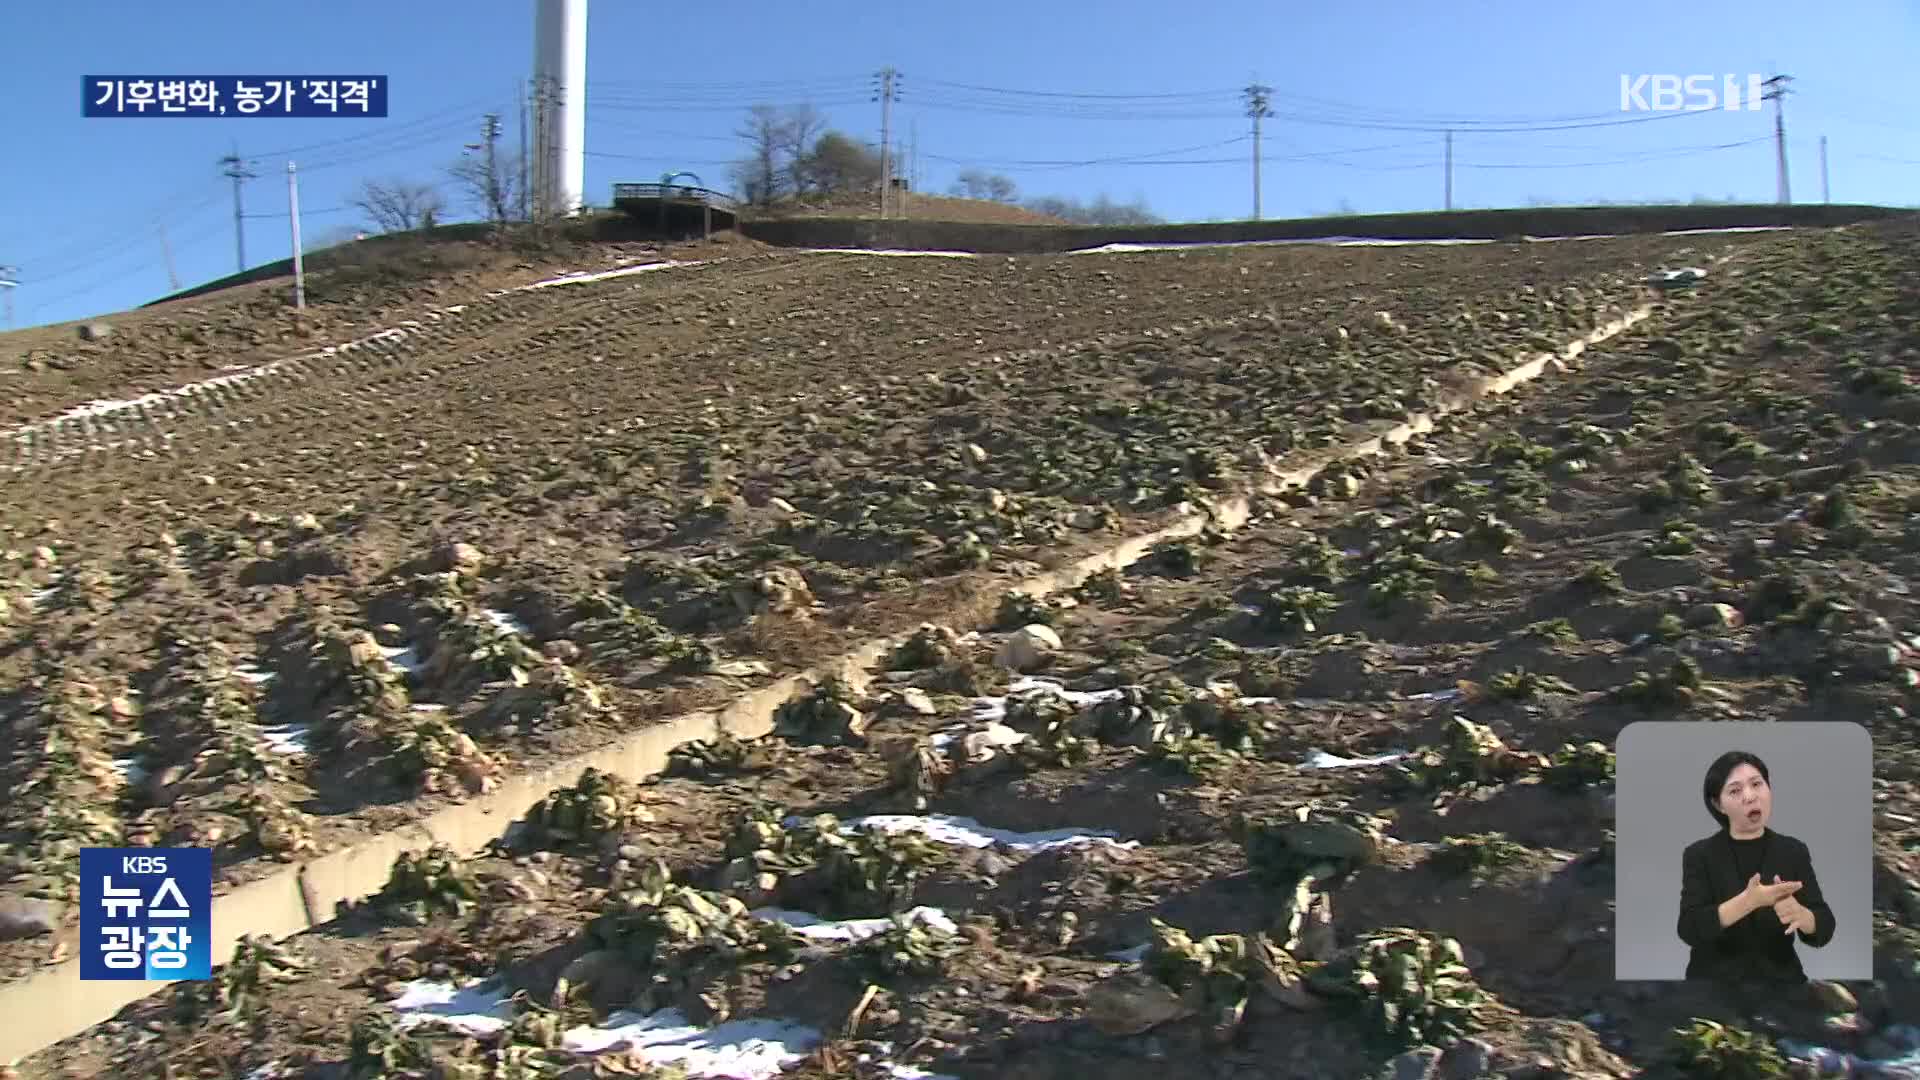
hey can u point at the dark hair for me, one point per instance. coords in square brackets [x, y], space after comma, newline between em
[1717, 774]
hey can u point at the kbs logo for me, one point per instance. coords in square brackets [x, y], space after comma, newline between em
[145, 914]
[1690, 93]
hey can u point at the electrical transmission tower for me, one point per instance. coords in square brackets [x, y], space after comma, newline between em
[1257, 99]
[886, 94]
[1777, 93]
[236, 168]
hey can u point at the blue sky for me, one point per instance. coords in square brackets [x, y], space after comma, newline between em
[1130, 98]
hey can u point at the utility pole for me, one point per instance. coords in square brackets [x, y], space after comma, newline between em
[9, 281]
[1258, 110]
[1449, 170]
[913, 165]
[1777, 93]
[537, 170]
[888, 79]
[496, 201]
[520, 178]
[1826, 194]
[293, 216]
[166, 253]
[236, 168]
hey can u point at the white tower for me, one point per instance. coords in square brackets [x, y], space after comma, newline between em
[559, 148]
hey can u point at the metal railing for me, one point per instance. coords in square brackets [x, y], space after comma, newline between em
[715, 199]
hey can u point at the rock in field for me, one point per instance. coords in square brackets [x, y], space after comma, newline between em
[27, 918]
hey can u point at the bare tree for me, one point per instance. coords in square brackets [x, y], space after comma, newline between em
[799, 129]
[980, 184]
[397, 205]
[1103, 211]
[758, 175]
[490, 184]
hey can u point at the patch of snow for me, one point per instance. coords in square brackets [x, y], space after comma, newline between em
[1320, 759]
[41, 598]
[746, 1049]
[1133, 955]
[1729, 229]
[819, 929]
[580, 276]
[883, 251]
[967, 832]
[1371, 241]
[508, 623]
[130, 770]
[479, 1008]
[910, 1072]
[247, 671]
[995, 708]
[1683, 276]
[998, 736]
[1904, 1064]
[286, 738]
[403, 657]
[737, 1049]
[1326, 241]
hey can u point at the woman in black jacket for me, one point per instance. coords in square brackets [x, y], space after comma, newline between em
[1747, 891]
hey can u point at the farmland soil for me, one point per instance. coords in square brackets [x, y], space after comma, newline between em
[570, 518]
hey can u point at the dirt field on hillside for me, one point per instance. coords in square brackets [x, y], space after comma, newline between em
[554, 514]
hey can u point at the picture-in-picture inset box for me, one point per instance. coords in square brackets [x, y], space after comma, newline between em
[1702, 808]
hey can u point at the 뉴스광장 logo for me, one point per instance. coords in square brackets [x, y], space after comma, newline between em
[146, 914]
[1690, 93]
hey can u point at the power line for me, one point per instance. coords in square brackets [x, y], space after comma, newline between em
[1127, 159]
[82, 258]
[304, 212]
[463, 110]
[1191, 95]
[731, 87]
[1629, 159]
[1330, 157]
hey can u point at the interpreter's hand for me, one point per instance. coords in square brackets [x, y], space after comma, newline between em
[1794, 916]
[1768, 895]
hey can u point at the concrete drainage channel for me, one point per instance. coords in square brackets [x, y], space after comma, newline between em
[55, 1004]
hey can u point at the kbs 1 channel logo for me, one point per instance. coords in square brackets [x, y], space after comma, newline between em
[146, 914]
[1691, 93]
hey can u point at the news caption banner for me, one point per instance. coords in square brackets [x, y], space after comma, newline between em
[279, 96]
[146, 914]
